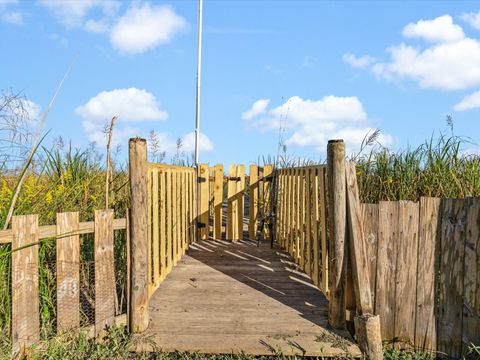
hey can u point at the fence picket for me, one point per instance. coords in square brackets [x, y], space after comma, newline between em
[155, 229]
[323, 226]
[104, 271]
[204, 210]
[240, 200]
[68, 271]
[217, 202]
[25, 295]
[253, 203]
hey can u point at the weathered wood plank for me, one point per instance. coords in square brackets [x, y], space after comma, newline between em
[104, 271]
[268, 198]
[155, 230]
[25, 295]
[370, 229]
[163, 225]
[175, 224]
[240, 195]
[429, 227]
[323, 229]
[253, 202]
[169, 213]
[386, 267]
[302, 219]
[308, 223]
[217, 202]
[406, 277]
[231, 204]
[296, 200]
[68, 272]
[316, 223]
[204, 201]
[452, 251]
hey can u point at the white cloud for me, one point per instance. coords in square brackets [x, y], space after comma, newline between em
[259, 107]
[314, 122]
[472, 18]
[188, 141]
[32, 109]
[130, 104]
[358, 62]
[144, 27]
[97, 26]
[440, 29]
[471, 101]
[71, 13]
[13, 17]
[451, 63]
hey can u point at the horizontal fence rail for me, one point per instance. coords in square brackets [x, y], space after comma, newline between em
[25, 237]
[301, 219]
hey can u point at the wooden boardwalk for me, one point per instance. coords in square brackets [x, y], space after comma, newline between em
[236, 297]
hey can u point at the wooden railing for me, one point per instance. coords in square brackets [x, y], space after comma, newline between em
[301, 219]
[25, 237]
[171, 218]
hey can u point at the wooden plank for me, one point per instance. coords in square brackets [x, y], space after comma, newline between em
[316, 223]
[302, 219]
[104, 271]
[279, 208]
[406, 273]
[231, 204]
[174, 218]
[452, 251]
[25, 295]
[184, 212]
[204, 201]
[68, 272]
[471, 283]
[155, 229]
[291, 211]
[267, 194]
[288, 221]
[428, 232]
[386, 267]
[253, 202]
[169, 211]
[370, 230]
[163, 225]
[357, 251]
[296, 212]
[323, 229]
[308, 223]
[149, 230]
[241, 200]
[217, 202]
[178, 217]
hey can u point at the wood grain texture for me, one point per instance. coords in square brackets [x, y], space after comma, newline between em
[217, 202]
[204, 200]
[240, 304]
[25, 294]
[386, 267]
[155, 229]
[231, 204]
[240, 195]
[308, 223]
[429, 231]
[338, 232]
[163, 225]
[68, 272]
[323, 229]
[169, 214]
[104, 271]
[370, 230]
[268, 198]
[406, 277]
[452, 254]
[315, 227]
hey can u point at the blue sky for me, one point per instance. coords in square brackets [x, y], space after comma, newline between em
[315, 70]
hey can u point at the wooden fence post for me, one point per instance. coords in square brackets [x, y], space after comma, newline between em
[138, 235]
[337, 212]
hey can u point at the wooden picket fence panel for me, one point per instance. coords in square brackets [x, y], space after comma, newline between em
[172, 213]
[24, 237]
[301, 219]
[425, 272]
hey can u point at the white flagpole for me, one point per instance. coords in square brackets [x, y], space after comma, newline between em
[199, 67]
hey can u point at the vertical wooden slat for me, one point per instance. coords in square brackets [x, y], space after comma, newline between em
[184, 211]
[204, 201]
[25, 296]
[163, 226]
[174, 220]
[253, 202]
[370, 229]
[316, 220]
[425, 323]
[283, 208]
[296, 200]
[195, 203]
[178, 218]
[302, 219]
[68, 271]
[241, 199]
[471, 309]
[104, 271]
[323, 226]
[155, 229]
[279, 207]
[288, 212]
[231, 205]
[267, 195]
[217, 202]
[291, 210]
[149, 229]
[169, 213]
[308, 223]
[406, 277]
[386, 267]
[451, 277]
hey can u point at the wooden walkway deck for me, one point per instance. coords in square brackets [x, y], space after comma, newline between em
[224, 297]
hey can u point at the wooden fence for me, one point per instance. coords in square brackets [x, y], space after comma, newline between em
[425, 271]
[301, 221]
[24, 237]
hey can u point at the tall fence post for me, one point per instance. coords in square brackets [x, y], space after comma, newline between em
[337, 206]
[138, 320]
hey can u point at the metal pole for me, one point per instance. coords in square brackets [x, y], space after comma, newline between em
[199, 67]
